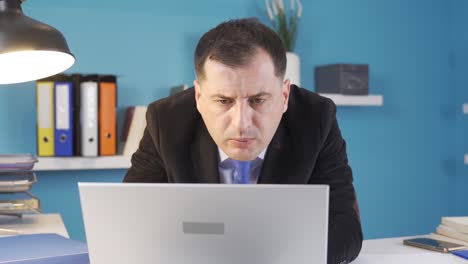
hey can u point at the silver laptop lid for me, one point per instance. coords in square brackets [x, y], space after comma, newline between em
[205, 223]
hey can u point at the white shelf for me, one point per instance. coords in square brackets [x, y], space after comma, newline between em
[82, 163]
[355, 100]
[466, 159]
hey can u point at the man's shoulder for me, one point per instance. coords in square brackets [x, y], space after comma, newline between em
[184, 100]
[176, 111]
[307, 104]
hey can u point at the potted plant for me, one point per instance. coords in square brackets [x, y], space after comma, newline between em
[285, 24]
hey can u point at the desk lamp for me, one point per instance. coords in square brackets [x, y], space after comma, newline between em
[29, 49]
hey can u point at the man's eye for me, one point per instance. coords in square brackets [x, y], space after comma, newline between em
[257, 101]
[224, 101]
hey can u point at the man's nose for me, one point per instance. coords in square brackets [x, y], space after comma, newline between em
[242, 118]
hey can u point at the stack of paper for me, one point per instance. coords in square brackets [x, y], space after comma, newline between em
[16, 179]
[454, 227]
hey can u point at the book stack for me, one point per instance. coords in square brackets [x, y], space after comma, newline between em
[76, 115]
[133, 128]
[16, 180]
[454, 228]
[135, 123]
[177, 89]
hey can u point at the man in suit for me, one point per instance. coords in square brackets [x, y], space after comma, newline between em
[243, 123]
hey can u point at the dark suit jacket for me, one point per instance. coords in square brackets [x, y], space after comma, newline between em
[307, 148]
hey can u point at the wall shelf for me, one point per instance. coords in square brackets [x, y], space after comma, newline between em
[465, 108]
[82, 163]
[123, 162]
[466, 159]
[355, 100]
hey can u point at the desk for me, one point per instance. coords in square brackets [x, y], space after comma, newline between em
[392, 251]
[35, 223]
[381, 251]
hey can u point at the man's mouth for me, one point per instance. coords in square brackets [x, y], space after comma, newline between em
[241, 142]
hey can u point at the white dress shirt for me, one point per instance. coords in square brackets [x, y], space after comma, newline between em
[226, 169]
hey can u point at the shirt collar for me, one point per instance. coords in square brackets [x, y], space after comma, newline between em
[223, 156]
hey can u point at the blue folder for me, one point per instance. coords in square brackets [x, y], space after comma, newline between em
[63, 119]
[42, 249]
[461, 253]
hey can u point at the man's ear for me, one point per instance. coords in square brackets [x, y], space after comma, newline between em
[286, 89]
[196, 85]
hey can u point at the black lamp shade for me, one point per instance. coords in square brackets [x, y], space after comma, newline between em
[29, 49]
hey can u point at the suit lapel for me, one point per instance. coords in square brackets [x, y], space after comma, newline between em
[204, 157]
[279, 161]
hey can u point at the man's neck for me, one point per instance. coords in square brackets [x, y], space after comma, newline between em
[223, 156]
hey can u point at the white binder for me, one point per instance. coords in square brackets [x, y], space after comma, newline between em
[89, 116]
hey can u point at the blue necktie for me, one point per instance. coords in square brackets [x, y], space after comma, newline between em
[241, 171]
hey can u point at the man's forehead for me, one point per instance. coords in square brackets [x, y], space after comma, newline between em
[233, 91]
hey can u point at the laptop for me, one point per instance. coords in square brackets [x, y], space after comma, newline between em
[205, 223]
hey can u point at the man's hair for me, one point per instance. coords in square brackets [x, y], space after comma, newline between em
[235, 42]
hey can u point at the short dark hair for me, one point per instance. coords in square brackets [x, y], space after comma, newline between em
[234, 42]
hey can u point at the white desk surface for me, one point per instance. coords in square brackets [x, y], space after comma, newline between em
[381, 251]
[392, 251]
[34, 224]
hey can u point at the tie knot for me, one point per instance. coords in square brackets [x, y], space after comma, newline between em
[240, 164]
[241, 171]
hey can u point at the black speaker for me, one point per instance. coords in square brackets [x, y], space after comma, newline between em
[351, 79]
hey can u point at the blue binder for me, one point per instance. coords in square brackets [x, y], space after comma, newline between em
[42, 249]
[63, 118]
[461, 253]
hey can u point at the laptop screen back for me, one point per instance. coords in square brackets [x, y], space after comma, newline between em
[205, 223]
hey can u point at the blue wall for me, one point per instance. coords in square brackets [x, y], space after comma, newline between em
[403, 154]
[459, 63]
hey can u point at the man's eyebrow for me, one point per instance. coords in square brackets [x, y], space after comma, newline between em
[260, 94]
[220, 96]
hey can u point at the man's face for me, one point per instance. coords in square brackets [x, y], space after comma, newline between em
[242, 107]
